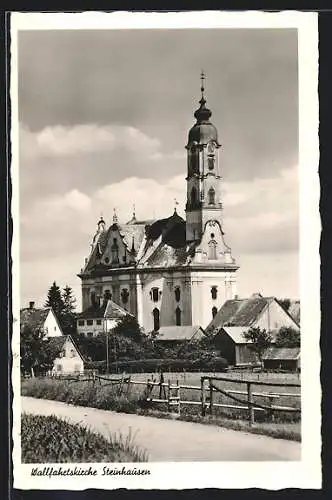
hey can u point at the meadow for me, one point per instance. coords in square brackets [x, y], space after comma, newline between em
[106, 394]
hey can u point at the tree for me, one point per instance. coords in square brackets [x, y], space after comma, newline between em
[260, 340]
[54, 300]
[288, 337]
[33, 349]
[68, 316]
[128, 326]
[285, 303]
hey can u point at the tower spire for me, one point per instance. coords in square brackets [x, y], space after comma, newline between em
[202, 84]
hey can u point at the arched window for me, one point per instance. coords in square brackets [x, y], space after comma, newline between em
[156, 319]
[154, 294]
[177, 293]
[115, 251]
[212, 196]
[124, 295]
[212, 250]
[193, 196]
[214, 311]
[178, 316]
[214, 292]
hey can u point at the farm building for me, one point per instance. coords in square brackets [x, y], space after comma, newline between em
[66, 355]
[96, 320]
[236, 317]
[44, 319]
[174, 335]
[282, 358]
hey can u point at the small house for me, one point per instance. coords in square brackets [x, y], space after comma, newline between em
[282, 358]
[66, 355]
[100, 319]
[175, 335]
[41, 318]
[239, 315]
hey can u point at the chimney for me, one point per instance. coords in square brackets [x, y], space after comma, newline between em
[31, 305]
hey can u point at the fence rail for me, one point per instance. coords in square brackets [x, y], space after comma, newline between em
[170, 393]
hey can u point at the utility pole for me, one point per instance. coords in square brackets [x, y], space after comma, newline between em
[107, 357]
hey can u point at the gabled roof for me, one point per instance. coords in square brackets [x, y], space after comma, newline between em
[109, 310]
[54, 345]
[240, 312]
[35, 318]
[178, 332]
[282, 353]
[236, 334]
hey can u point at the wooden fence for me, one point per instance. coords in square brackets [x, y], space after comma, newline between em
[170, 393]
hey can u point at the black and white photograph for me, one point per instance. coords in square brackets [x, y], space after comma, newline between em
[165, 250]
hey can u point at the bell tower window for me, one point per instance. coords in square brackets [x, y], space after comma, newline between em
[212, 250]
[211, 162]
[177, 293]
[214, 312]
[193, 197]
[212, 196]
[115, 251]
[154, 294]
[214, 292]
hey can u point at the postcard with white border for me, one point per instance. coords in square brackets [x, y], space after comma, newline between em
[166, 271]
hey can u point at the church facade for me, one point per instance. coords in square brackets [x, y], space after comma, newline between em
[169, 271]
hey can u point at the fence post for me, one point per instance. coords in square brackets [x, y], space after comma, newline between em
[250, 404]
[211, 395]
[169, 394]
[203, 395]
[178, 394]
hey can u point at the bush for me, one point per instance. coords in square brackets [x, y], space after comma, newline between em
[52, 440]
[152, 365]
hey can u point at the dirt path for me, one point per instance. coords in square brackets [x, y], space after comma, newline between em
[170, 440]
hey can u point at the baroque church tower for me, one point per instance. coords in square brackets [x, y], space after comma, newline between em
[167, 271]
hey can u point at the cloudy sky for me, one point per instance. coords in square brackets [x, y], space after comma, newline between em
[104, 117]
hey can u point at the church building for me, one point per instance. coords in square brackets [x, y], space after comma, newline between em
[169, 271]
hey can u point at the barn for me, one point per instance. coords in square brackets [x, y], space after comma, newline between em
[282, 358]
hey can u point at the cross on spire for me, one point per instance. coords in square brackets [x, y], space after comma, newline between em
[175, 204]
[202, 83]
[115, 217]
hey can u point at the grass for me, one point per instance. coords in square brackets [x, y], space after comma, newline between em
[104, 396]
[49, 439]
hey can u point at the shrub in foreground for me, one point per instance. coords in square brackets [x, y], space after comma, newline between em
[48, 439]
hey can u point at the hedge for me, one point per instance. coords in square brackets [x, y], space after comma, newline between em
[217, 364]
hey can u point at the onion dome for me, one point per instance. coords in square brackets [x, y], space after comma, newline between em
[203, 131]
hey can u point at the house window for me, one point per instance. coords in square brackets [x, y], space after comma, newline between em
[214, 312]
[46, 330]
[124, 295]
[98, 321]
[72, 353]
[81, 322]
[89, 322]
[90, 334]
[178, 316]
[115, 251]
[54, 328]
[155, 294]
[77, 368]
[212, 250]
[177, 293]
[212, 196]
[156, 319]
[214, 292]
[59, 368]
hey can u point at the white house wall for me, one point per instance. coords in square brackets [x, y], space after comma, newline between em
[274, 317]
[71, 361]
[51, 327]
